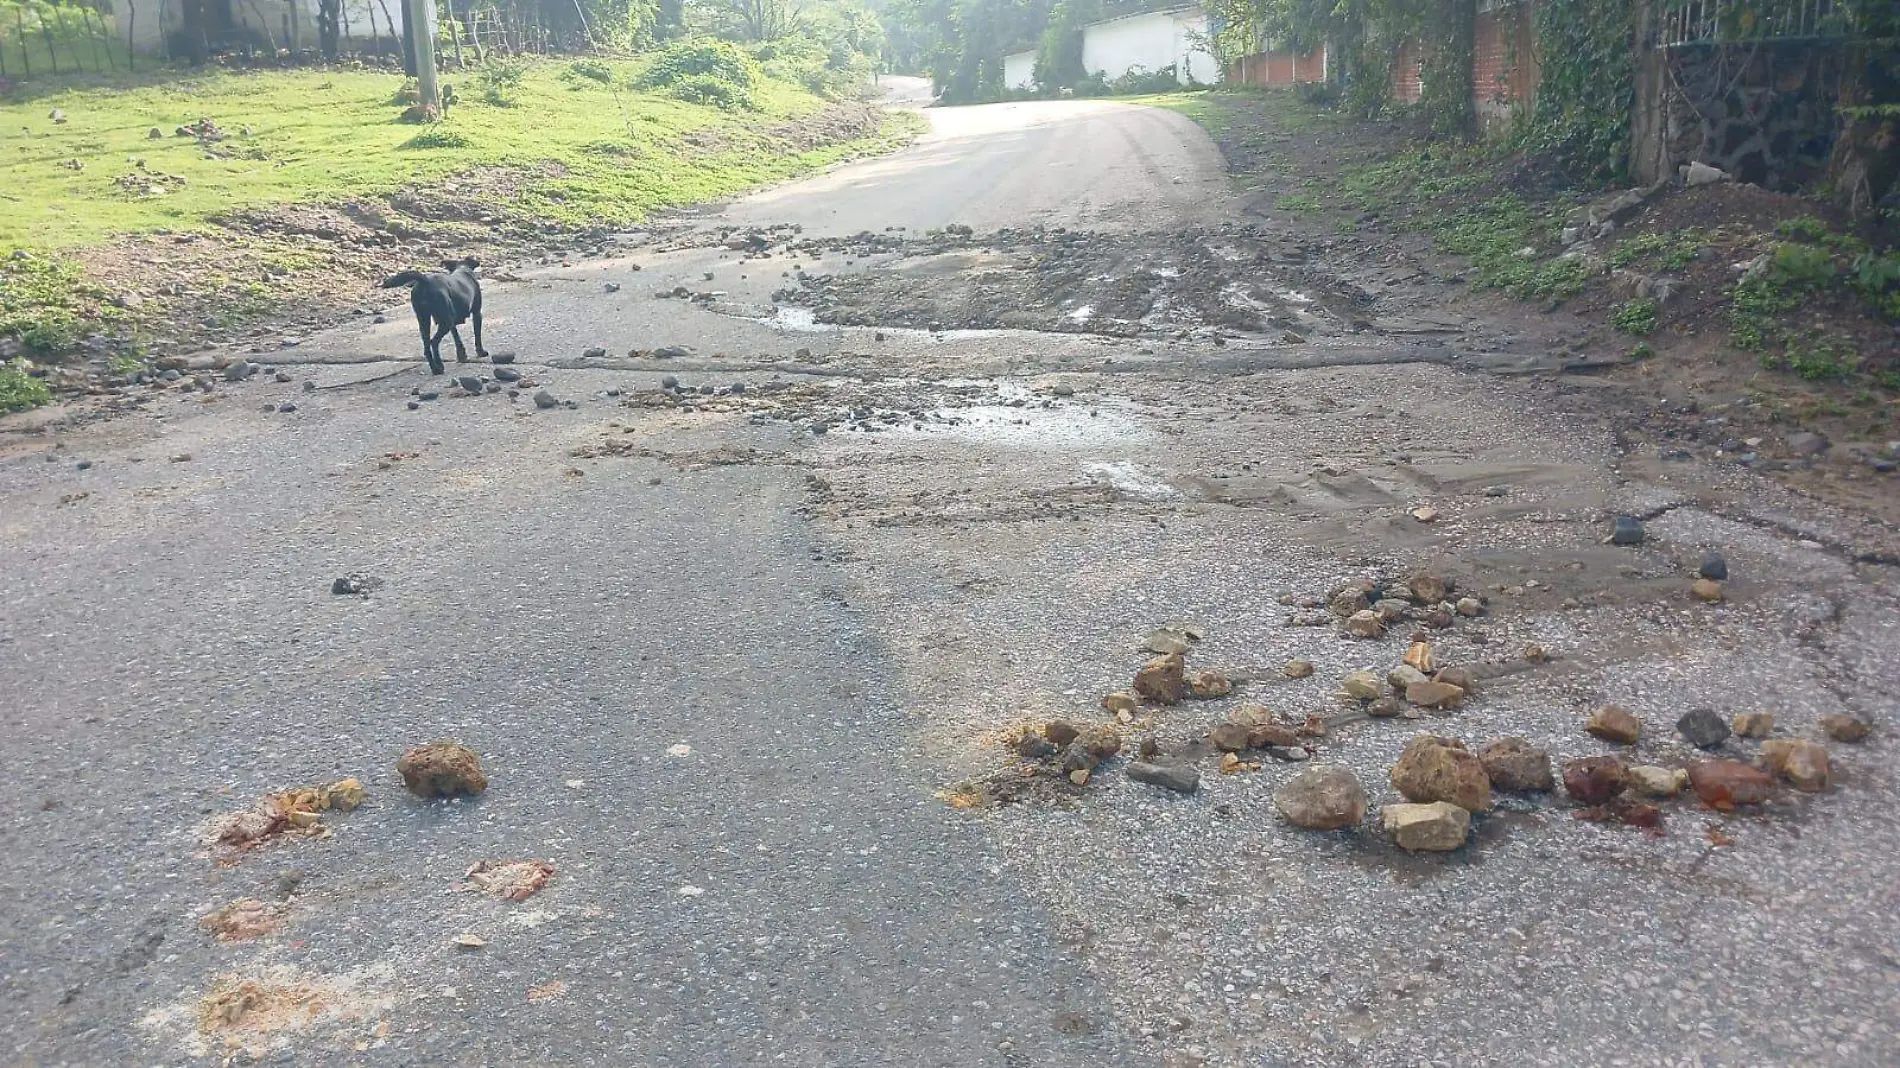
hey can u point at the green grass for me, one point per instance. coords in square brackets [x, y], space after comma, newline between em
[19, 391]
[326, 134]
[1299, 203]
[1202, 107]
[1635, 317]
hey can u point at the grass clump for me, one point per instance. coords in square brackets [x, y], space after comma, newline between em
[46, 305]
[1635, 317]
[710, 72]
[20, 391]
[438, 137]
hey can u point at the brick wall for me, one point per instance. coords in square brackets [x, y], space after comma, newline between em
[1405, 73]
[1504, 61]
[1279, 68]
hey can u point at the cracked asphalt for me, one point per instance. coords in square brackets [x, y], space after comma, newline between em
[728, 656]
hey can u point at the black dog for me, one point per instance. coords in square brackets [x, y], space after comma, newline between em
[446, 300]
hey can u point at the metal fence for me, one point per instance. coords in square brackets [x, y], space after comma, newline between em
[40, 37]
[1686, 22]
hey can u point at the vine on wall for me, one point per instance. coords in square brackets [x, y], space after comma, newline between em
[1586, 85]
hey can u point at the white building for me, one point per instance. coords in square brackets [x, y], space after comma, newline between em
[1153, 41]
[364, 23]
[1019, 70]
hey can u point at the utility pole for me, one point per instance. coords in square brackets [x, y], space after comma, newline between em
[421, 20]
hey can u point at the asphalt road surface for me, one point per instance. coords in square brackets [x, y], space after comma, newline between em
[728, 663]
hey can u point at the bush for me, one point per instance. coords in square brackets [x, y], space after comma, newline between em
[718, 60]
[500, 79]
[20, 391]
[1139, 79]
[46, 303]
[706, 89]
[1636, 317]
[437, 137]
[591, 70]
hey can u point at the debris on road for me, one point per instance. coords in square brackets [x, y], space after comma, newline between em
[510, 880]
[1324, 798]
[1434, 768]
[466, 940]
[1846, 728]
[1162, 681]
[1753, 724]
[1652, 781]
[1436, 827]
[1515, 765]
[356, 584]
[1595, 780]
[1724, 784]
[295, 811]
[243, 919]
[1181, 778]
[1801, 762]
[1703, 728]
[442, 769]
[1612, 723]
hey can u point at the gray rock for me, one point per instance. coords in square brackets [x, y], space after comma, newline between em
[428, 395]
[286, 408]
[501, 357]
[309, 385]
[415, 405]
[469, 383]
[355, 584]
[669, 382]
[1703, 728]
[544, 399]
[672, 352]
[1181, 778]
[1628, 530]
[507, 374]
[1713, 567]
[1808, 443]
[593, 353]
[1324, 798]
[1695, 174]
[238, 371]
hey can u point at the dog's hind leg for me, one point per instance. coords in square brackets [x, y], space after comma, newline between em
[429, 349]
[476, 314]
[435, 346]
[461, 351]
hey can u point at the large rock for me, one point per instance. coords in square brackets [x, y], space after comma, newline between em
[1324, 798]
[1436, 827]
[1361, 685]
[1614, 724]
[1441, 769]
[1163, 680]
[1595, 780]
[1516, 764]
[1799, 761]
[1231, 737]
[1428, 588]
[1434, 694]
[1209, 685]
[1365, 624]
[1724, 784]
[1181, 778]
[1703, 728]
[442, 769]
[1754, 724]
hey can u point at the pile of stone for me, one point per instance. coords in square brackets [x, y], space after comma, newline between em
[1367, 607]
[1418, 680]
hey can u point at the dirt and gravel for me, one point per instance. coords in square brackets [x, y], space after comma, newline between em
[749, 624]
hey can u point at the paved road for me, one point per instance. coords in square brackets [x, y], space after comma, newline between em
[839, 626]
[790, 892]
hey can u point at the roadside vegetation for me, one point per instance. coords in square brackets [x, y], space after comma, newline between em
[108, 183]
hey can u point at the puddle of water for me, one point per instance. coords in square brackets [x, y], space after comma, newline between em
[792, 319]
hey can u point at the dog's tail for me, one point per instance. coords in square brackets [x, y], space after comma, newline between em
[406, 278]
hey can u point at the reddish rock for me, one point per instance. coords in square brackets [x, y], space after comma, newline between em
[1456, 676]
[1231, 737]
[1843, 728]
[1208, 685]
[1059, 733]
[442, 769]
[1262, 735]
[1163, 680]
[1595, 780]
[1724, 784]
[1431, 694]
[1441, 769]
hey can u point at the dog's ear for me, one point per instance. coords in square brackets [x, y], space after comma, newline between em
[470, 262]
[451, 265]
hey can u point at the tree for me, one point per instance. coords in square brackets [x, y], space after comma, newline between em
[329, 27]
[751, 21]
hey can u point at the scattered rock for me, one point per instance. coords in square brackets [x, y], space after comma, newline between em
[1383, 708]
[1457, 676]
[1060, 733]
[1322, 798]
[1627, 530]
[1801, 762]
[1425, 513]
[1433, 694]
[1162, 680]
[510, 880]
[1595, 780]
[1713, 567]
[507, 374]
[1349, 602]
[350, 585]
[1167, 640]
[1697, 173]
[1297, 669]
[1209, 685]
[1361, 686]
[1808, 443]
[1428, 588]
[1101, 743]
[1436, 827]
[1846, 728]
[1391, 610]
[1231, 737]
[1403, 676]
[1515, 764]
[501, 357]
[1705, 590]
[239, 370]
[1120, 701]
[442, 769]
[469, 383]
[1034, 747]
[1418, 656]
[1365, 624]
[1754, 724]
[1470, 607]
[1614, 724]
[1724, 784]
[1652, 781]
[543, 399]
[243, 919]
[1433, 768]
[1181, 778]
[1703, 728]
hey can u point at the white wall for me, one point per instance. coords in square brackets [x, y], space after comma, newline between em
[1152, 41]
[1019, 71]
